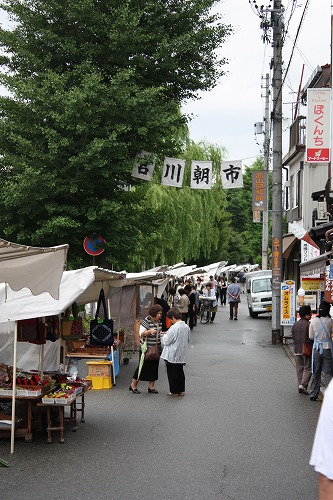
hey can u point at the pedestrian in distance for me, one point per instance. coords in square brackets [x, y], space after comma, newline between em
[150, 330]
[321, 332]
[210, 292]
[183, 303]
[300, 334]
[190, 292]
[175, 344]
[224, 286]
[322, 449]
[233, 293]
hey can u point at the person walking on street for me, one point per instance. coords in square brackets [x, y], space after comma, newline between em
[175, 344]
[233, 292]
[224, 286]
[191, 307]
[210, 292]
[321, 332]
[183, 304]
[300, 333]
[322, 449]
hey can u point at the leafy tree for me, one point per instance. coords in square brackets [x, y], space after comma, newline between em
[92, 83]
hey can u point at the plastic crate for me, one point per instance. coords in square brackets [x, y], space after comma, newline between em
[48, 401]
[99, 368]
[100, 382]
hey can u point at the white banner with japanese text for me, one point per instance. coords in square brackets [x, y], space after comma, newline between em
[231, 174]
[173, 172]
[144, 166]
[201, 174]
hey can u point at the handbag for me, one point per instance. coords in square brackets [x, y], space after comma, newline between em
[72, 329]
[153, 352]
[307, 349]
[101, 330]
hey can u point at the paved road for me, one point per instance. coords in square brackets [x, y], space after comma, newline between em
[242, 432]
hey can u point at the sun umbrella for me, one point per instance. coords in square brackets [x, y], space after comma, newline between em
[142, 357]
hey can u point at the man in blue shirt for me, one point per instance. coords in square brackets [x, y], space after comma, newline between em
[233, 293]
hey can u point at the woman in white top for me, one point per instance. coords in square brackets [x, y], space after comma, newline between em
[175, 343]
[321, 332]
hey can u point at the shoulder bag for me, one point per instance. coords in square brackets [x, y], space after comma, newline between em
[101, 330]
[307, 349]
[153, 352]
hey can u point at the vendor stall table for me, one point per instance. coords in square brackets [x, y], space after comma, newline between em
[72, 404]
[25, 432]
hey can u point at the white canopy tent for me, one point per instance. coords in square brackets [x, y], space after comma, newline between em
[40, 270]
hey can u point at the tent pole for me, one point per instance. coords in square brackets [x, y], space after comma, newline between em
[119, 311]
[42, 362]
[12, 436]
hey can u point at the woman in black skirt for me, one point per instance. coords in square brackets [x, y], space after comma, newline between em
[150, 329]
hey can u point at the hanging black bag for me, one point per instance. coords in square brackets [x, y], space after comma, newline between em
[101, 330]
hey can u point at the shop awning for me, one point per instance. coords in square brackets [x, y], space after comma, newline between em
[315, 266]
[37, 268]
[288, 242]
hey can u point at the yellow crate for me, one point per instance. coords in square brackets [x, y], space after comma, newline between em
[99, 368]
[100, 382]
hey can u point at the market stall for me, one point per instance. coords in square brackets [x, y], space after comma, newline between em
[37, 269]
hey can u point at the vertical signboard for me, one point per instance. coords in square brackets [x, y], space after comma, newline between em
[328, 293]
[259, 190]
[288, 312]
[276, 267]
[318, 125]
[256, 216]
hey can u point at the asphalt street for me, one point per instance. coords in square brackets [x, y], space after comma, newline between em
[242, 431]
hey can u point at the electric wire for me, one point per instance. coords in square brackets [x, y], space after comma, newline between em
[292, 53]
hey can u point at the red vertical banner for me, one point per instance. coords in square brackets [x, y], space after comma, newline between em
[318, 125]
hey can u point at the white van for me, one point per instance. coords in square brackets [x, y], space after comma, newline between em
[259, 292]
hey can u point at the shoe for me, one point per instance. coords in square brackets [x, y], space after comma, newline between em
[230, 318]
[312, 398]
[135, 391]
[152, 391]
[172, 394]
[181, 393]
[302, 390]
[211, 321]
[235, 319]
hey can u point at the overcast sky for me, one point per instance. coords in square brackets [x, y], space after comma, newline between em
[226, 115]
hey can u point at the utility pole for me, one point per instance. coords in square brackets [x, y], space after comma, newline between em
[276, 118]
[264, 248]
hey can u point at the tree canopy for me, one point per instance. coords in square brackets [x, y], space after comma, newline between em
[92, 83]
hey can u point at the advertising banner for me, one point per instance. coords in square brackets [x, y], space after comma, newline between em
[288, 313]
[259, 190]
[318, 125]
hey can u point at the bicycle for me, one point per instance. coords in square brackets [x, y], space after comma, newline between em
[205, 309]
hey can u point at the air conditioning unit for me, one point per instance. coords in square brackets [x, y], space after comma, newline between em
[322, 210]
